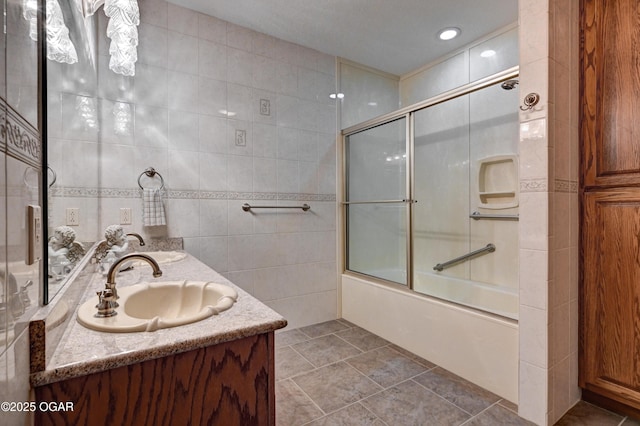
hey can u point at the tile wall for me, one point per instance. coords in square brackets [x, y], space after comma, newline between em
[368, 93]
[462, 66]
[227, 116]
[549, 210]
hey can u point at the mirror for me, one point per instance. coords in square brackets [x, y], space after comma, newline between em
[72, 148]
[224, 114]
[20, 162]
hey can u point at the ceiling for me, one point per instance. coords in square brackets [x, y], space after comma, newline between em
[396, 36]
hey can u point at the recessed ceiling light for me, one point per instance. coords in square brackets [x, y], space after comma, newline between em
[487, 53]
[448, 33]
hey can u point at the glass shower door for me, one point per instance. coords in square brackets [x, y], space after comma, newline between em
[441, 175]
[465, 229]
[375, 199]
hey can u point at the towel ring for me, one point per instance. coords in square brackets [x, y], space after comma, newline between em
[49, 169]
[27, 171]
[151, 172]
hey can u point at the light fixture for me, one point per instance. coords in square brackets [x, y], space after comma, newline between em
[487, 53]
[122, 29]
[227, 113]
[336, 95]
[30, 14]
[448, 33]
[59, 45]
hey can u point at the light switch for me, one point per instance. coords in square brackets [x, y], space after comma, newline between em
[34, 226]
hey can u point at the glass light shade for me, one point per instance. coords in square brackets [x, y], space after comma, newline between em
[59, 45]
[29, 13]
[122, 29]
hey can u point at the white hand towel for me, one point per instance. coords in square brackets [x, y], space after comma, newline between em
[153, 207]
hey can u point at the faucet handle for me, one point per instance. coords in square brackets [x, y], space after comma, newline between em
[106, 304]
[112, 287]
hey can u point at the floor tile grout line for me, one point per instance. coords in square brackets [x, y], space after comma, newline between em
[351, 344]
[344, 408]
[442, 397]
[391, 346]
[349, 404]
[476, 415]
[395, 384]
[310, 399]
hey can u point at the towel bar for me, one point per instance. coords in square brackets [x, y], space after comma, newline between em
[247, 207]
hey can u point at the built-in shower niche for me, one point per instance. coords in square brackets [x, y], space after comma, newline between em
[498, 182]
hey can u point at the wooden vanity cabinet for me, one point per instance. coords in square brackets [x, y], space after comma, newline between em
[609, 371]
[230, 383]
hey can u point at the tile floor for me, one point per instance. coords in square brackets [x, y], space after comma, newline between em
[335, 373]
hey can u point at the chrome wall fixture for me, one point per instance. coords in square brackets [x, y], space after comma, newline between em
[478, 216]
[53, 180]
[489, 248]
[151, 173]
[247, 207]
[530, 101]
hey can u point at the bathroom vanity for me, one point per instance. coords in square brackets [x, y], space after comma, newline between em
[219, 370]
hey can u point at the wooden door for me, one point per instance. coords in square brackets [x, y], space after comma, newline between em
[610, 203]
[611, 295]
[611, 92]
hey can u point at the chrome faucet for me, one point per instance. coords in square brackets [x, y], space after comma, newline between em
[138, 236]
[115, 267]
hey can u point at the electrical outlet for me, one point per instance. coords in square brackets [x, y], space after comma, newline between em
[73, 216]
[125, 216]
[241, 137]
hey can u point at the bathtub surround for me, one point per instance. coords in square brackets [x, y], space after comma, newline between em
[449, 140]
[548, 233]
[227, 116]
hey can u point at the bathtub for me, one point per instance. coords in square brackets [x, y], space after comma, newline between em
[478, 346]
[489, 298]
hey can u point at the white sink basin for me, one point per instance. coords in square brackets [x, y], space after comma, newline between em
[151, 306]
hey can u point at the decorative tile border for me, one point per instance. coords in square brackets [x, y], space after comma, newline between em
[570, 186]
[18, 137]
[541, 185]
[78, 192]
[533, 185]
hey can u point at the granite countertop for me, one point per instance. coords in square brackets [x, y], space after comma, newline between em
[82, 351]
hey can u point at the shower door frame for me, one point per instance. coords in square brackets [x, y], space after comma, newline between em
[408, 113]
